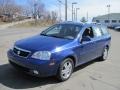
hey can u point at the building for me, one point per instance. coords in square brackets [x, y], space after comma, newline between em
[111, 20]
[6, 17]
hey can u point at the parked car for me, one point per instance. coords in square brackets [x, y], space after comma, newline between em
[60, 48]
[117, 28]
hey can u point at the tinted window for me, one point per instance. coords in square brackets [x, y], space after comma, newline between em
[97, 21]
[107, 21]
[114, 21]
[97, 31]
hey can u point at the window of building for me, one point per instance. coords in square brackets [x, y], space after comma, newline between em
[119, 21]
[114, 21]
[97, 21]
[107, 21]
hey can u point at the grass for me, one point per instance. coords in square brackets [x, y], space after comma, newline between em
[33, 24]
[2, 23]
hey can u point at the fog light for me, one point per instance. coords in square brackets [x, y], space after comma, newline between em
[35, 72]
[52, 63]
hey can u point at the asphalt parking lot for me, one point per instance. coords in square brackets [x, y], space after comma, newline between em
[91, 76]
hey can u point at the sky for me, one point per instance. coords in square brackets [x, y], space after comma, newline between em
[92, 7]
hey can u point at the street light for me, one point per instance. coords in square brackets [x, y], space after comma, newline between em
[76, 12]
[73, 10]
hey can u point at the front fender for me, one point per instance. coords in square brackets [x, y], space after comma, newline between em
[60, 56]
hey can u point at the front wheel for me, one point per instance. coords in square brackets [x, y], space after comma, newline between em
[65, 69]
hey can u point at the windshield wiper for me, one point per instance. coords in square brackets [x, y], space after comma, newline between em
[55, 36]
[44, 34]
[50, 35]
[61, 37]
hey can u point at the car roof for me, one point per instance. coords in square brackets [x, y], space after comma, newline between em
[71, 22]
[80, 23]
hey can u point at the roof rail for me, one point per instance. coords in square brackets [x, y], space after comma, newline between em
[96, 23]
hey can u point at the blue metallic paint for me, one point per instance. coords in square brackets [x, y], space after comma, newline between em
[60, 49]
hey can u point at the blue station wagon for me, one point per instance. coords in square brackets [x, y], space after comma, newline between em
[60, 48]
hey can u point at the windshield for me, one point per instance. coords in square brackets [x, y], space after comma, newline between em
[67, 31]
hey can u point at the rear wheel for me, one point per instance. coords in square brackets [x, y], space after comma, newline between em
[65, 69]
[104, 54]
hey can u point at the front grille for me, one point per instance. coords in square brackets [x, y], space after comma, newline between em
[21, 52]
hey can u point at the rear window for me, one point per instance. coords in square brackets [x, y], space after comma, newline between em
[104, 29]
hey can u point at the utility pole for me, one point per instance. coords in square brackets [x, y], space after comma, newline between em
[108, 6]
[66, 10]
[60, 10]
[73, 10]
[76, 12]
[35, 11]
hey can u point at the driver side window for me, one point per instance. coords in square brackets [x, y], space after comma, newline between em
[87, 35]
[88, 32]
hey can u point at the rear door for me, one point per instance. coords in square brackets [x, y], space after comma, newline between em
[99, 39]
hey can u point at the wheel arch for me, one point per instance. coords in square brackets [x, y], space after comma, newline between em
[73, 58]
[107, 46]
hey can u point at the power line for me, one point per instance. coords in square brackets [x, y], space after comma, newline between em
[66, 8]
[64, 5]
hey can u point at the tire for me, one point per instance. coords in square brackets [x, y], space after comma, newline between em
[65, 70]
[104, 54]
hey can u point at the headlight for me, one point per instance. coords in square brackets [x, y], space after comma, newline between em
[42, 55]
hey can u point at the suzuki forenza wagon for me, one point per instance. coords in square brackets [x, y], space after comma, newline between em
[60, 48]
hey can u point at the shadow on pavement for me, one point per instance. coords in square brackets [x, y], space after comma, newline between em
[117, 30]
[85, 65]
[12, 78]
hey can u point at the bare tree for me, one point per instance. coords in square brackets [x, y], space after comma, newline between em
[36, 7]
[54, 16]
[9, 7]
[41, 10]
[83, 19]
[26, 11]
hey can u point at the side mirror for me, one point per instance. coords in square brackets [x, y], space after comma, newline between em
[85, 39]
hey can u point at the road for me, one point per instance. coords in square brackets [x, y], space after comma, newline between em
[91, 76]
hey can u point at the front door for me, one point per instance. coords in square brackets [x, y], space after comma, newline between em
[87, 48]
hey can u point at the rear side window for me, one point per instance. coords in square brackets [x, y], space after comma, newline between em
[104, 30]
[97, 31]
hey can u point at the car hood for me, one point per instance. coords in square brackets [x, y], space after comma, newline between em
[41, 43]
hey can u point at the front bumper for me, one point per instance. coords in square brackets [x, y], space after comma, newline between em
[29, 65]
